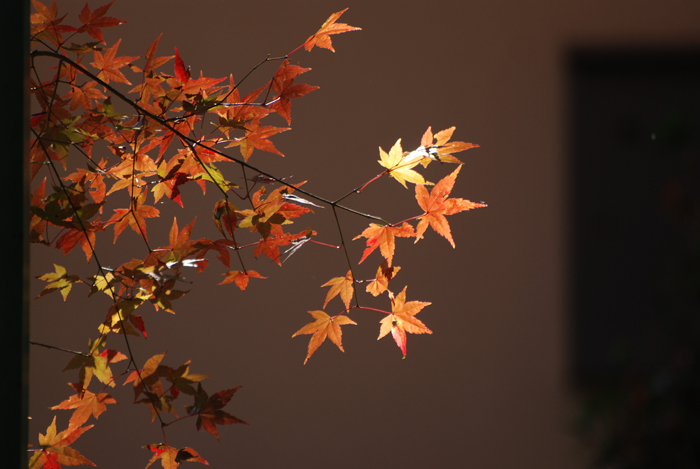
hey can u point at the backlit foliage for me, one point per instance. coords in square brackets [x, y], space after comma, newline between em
[179, 128]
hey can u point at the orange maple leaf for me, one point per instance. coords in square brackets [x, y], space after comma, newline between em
[170, 457]
[382, 237]
[381, 283]
[437, 205]
[86, 237]
[342, 286]
[109, 65]
[93, 22]
[240, 278]
[322, 36]
[283, 85]
[441, 149]
[202, 83]
[82, 95]
[148, 378]
[236, 113]
[402, 320]
[257, 137]
[324, 326]
[135, 218]
[45, 25]
[151, 61]
[85, 403]
[55, 450]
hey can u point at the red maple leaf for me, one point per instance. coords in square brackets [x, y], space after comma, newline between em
[182, 74]
[208, 409]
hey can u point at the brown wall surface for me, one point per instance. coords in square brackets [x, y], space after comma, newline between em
[489, 388]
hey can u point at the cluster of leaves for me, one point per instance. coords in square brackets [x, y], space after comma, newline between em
[177, 131]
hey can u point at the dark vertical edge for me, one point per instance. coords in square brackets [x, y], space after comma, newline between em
[14, 121]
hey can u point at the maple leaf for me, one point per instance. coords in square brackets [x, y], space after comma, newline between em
[46, 26]
[208, 409]
[38, 224]
[270, 213]
[96, 363]
[402, 319]
[148, 379]
[92, 182]
[182, 380]
[164, 294]
[381, 283]
[133, 217]
[225, 217]
[93, 22]
[82, 95]
[437, 205]
[58, 281]
[86, 238]
[151, 61]
[283, 85]
[322, 36]
[182, 74]
[193, 87]
[221, 246]
[170, 457]
[235, 113]
[120, 312]
[382, 237]
[55, 449]
[212, 174]
[342, 286]
[398, 167]
[441, 149]
[109, 66]
[240, 278]
[324, 326]
[86, 403]
[257, 137]
[180, 245]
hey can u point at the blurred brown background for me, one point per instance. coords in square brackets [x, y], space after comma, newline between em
[492, 387]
